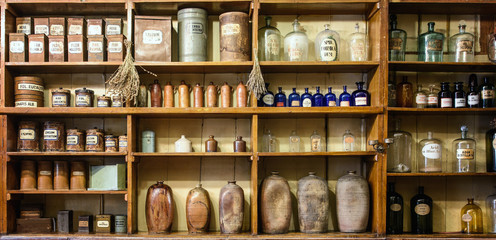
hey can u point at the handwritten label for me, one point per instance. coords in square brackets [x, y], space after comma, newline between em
[35, 47]
[75, 47]
[152, 37]
[27, 134]
[41, 29]
[16, 47]
[26, 104]
[230, 29]
[30, 86]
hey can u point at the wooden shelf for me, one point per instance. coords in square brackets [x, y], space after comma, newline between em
[196, 67]
[68, 7]
[414, 66]
[482, 7]
[313, 112]
[67, 154]
[194, 154]
[62, 67]
[317, 7]
[317, 154]
[457, 235]
[433, 111]
[68, 192]
[441, 174]
[213, 7]
[317, 67]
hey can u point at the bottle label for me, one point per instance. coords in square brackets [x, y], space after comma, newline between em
[75, 47]
[152, 37]
[465, 154]
[473, 100]
[295, 51]
[446, 103]
[30, 86]
[349, 139]
[195, 28]
[113, 29]
[72, 140]
[280, 104]
[102, 103]
[395, 44]
[26, 134]
[361, 101]
[76, 29]
[115, 47]
[272, 44]
[307, 102]
[77, 173]
[268, 99]
[422, 209]
[421, 99]
[432, 100]
[331, 103]
[26, 104]
[123, 143]
[83, 224]
[116, 103]
[83, 100]
[460, 102]
[434, 45]
[50, 134]
[464, 46]
[230, 29]
[344, 103]
[95, 30]
[395, 207]
[487, 94]
[103, 224]
[24, 28]
[95, 47]
[295, 103]
[17, 47]
[41, 29]
[466, 217]
[110, 143]
[56, 47]
[57, 30]
[315, 144]
[59, 100]
[35, 47]
[357, 50]
[91, 140]
[494, 143]
[432, 151]
[328, 49]
[45, 173]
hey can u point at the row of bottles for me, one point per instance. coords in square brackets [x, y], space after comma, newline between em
[316, 141]
[421, 208]
[477, 97]
[327, 44]
[359, 97]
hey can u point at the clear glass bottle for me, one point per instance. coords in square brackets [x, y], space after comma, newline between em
[404, 93]
[306, 99]
[316, 142]
[430, 154]
[327, 45]
[318, 98]
[280, 98]
[421, 213]
[330, 98]
[491, 46]
[473, 97]
[358, 45]
[344, 98]
[269, 42]
[420, 98]
[294, 142]
[461, 45]
[296, 44]
[348, 141]
[471, 218]
[459, 100]
[491, 213]
[394, 211]
[400, 151]
[464, 152]
[269, 142]
[430, 45]
[294, 99]
[486, 91]
[397, 41]
[432, 98]
[445, 97]
[491, 147]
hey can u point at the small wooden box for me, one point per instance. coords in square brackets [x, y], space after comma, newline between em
[115, 48]
[31, 211]
[56, 48]
[18, 49]
[38, 45]
[96, 48]
[35, 225]
[57, 26]
[85, 224]
[41, 26]
[113, 26]
[64, 221]
[23, 25]
[108, 177]
[76, 48]
[94, 26]
[75, 26]
[152, 36]
[104, 223]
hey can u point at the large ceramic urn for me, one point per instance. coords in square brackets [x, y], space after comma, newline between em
[353, 199]
[231, 208]
[313, 204]
[275, 204]
[198, 210]
[159, 209]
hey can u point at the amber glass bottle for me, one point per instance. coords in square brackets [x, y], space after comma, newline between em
[404, 93]
[471, 218]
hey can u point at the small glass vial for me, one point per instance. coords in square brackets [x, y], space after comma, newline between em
[269, 142]
[430, 157]
[432, 98]
[471, 218]
[296, 44]
[316, 142]
[294, 142]
[348, 141]
[445, 98]
[462, 45]
[464, 152]
[459, 96]
[358, 45]
[420, 98]
[148, 141]
[327, 45]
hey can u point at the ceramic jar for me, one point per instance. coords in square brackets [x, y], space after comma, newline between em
[183, 95]
[183, 145]
[231, 208]
[159, 208]
[155, 94]
[275, 204]
[241, 95]
[197, 96]
[148, 141]
[198, 210]
[352, 199]
[225, 95]
[211, 144]
[239, 144]
[211, 95]
[313, 204]
[168, 95]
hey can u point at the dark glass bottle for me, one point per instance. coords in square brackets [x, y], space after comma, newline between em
[280, 98]
[491, 147]
[421, 213]
[318, 98]
[394, 211]
[306, 99]
[294, 99]
[268, 97]
[404, 93]
[360, 97]
[445, 98]
[459, 96]
[486, 91]
[344, 98]
[330, 98]
[473, 97]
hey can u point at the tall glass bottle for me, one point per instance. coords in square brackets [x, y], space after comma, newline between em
[471, 218]
[473, 97]
[327, 45]
[432, 98]
[348, 141]
[459, 100]
[420, 98]
[429, 156]
[296, 44]
[397, 41]
[306, 99]
[269, 42]
[294, 99]
[445, 98]
[294, 142]
[280, 98]
[461, 45]
[330, 98]
[318, 98]
[464, 152]
[394, 211]
[404, 93]
[269, 142]
[491, 147]
[391, 93]
[400, 151]
[421, 213]
[491, 213]
[360, 97]
[316, 142]
[358, 45]
[486, 91]
[344, 98]
[430, 45]
[491, 46]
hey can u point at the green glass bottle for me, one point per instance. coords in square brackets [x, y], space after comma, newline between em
[430, 45]
[397, 41]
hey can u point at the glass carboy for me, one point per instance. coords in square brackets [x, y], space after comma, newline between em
[269, 42]
[327, 45]
[461, 45]
[430, 157]
[400, 151]
[296, 44]
[430, 45]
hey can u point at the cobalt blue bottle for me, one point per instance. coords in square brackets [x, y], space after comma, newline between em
[360, 97]
[306, 99]
[330, 98]
[318, 99]
[294, 99]
[344, 98]
[268, 98]
[280, 98]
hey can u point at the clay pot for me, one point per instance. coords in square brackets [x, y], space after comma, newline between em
[239, 145]
[197, 96]
[155, 94]
[211, 144]
[275, 204]
[231, 208]
[313, 204]
[225, 95]
[198, 210]
[183, 92]
[168, 95]
[211, 95]
[352, 199]
[241, 95]
[159, 210]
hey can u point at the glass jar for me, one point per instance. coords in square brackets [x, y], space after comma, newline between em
[430, 45]
[294, 99]
[420, 98]
[461, 45]
[360, 97]
[318, 98]
[94, 140]
[491, 147]
[111, 143]
[471, 218]
[84, 97]
[430, 157]
[432, 98]
[269, 142]
[296, 44]
[445, 97]
[103, 101]
[358, 45]
[397, 41]
[491, 46]
[269, 42]
[404, 93]
[400, 151]
[348, 141]
[280, 98]
[316, 142]
[306, 99]
[464, 152]
[327, 45]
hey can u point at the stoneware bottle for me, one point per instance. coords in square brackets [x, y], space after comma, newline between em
[313, 204]
[239, 144]
[198, 210]
[275, 204]
[183, 145]
[159, 209]
[142, 96]
[225, 95]
[231, 208]
[155, 94]
[211, 95]
[183, 92]
[352, 199]
[241, 95]
[211, 144]
[197, 96]
[168, 95]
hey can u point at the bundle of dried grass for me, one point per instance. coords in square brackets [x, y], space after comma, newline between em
[256, 83]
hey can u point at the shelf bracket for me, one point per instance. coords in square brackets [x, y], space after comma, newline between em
[125, 197]
[380, 147]
[8, 197]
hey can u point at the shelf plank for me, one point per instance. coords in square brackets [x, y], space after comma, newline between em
[316, 7]
[317, 67]
[213, 7]
[454, 7]
[62, 67]
[67, 154]
[68, 192]
[194, 154]
[313, 112]
[434, 111]
[415, 66]
[68, 7]
[316, 154]
[456, 235]
[441, 174]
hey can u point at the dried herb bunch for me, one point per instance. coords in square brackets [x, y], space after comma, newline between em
[256, 83]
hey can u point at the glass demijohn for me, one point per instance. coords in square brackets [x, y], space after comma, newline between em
[316, 142]
[461, 45]
[464, 152]
[430, 157]
[400, 151]
[294, 142]
[327, 45]
[296, 44]
[397, 41]
[269, 42]
[348, 141]
[430, 45]
[358, 45]
[471, 218]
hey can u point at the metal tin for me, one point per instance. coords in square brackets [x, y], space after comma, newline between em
[28, 137]
[75, 140]
[85, 224]
[45, 180]
[110, 143]
[76, 48]
[192, 30]
[148, 141]
[57, 26]
[103, 224]
[18, 47]
[61, 97]
[38, 48]
[103, 101]
[84, 98]
[96, 48]
[64, 221]
[152, 38]
[123, 143]
[94, 140]
[53, 137]
[56, 48]
[234, 36]
[120, 223]
[117, 101]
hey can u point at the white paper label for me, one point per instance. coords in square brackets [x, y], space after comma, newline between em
[268, 99]
[83, 100]
[446, 103]
[56, 47]
[152, 37]
[344, 103]
[122, 144]
[422, 209]
[45, 173]
[328, 50]
[295, 103]
[113, 29]
[94, 30]
[195, 28]
[331, 103]
[26, 134]
[466, 217]
[95, 47]
[59, 100]
[115, 47]
[78, 173]
[41, 29]
[35, 47]
[487, 94]
[30, 86]
[473, 100]
[103, 224]
[421, 99]
[110, 143]
[51, 134]
[230, 29]
[72, 140]
[432, 100]
[91, 140]
[75, 30]
[460, 102]
[465, 154]
[57, 30]
[432, 151]
[26, 104]
[24, 28]
[361, 101]
[307, 102]
[17, 47]
[75, 47]
[102, 103]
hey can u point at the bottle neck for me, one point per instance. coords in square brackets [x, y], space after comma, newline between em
[464, 134]
[390, 187]
[267, 21]
[393, 25]
[421, 190]
[360, 86]
[318, 90]
[431, 27]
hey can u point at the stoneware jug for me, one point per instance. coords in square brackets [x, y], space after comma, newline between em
[183, 145]
[352, 199]
[313, 204]
[198, 210]
[159, 209]
[231, 208]
[275, 204]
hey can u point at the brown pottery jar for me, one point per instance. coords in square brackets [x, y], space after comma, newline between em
[198, 96]
[352, 203]
[183, 95]
[168, 95]
[159, 209]
[239, 144]
[225, 95]
[275, 204]
[231, 208]
[155, 94]
[241, 95]
[313, 204]
[211, 95]
[198, 210]
[211, 144]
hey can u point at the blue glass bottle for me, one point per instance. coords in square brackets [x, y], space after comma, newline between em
[280, 98]
[318, 98]
[330, 98]
[306, 99]
[344, 98]
[360, 97]
[294, 99]
[268, 97]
